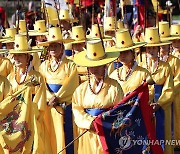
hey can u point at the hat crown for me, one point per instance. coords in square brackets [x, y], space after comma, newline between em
[164, 30]
[78, 33]
[120, 24]
[95, 31]
[22, 26]
[40, 26]
[95, 50]
[152, 35]
[110, 23]
[55, 34]
[64, 14]
[123, 39]
[21, 43]
[175, 29]
[11, 32]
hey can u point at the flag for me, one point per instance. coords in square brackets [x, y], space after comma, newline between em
[19, 129]
[128, 126]
[139, 13]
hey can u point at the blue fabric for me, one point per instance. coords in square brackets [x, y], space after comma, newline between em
[68, 129]
[119, 64]
[53, 87]
[68, 52]
[157, 92]
[95, 112]
[160, 116]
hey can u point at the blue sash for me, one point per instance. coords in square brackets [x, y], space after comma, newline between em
[53, 87]
[117, 64]
[160, 116]
[95, 112]
[68, 52]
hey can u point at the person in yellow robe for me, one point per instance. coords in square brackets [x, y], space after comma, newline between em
[94, 96]
[174, 63]
[176, 48]
[130, 70]
[5, 65]
[162, 92]
[5, 88]
[61, 79]
[23, 73]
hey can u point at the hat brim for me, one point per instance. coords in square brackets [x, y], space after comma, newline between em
[81, 60]
[170, 38]
[4, 38]
[70, 20]
[158, 44]
[78, 41]
[47, 43]
[3, 50]
[106, 38]
[36, 33]
[117, 49]
[12, 51]
[8, 41]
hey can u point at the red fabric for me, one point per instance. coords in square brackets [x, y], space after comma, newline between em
[3, 16]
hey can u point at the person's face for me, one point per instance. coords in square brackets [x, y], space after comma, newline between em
[164, 49]
[41, 38]
[56, 49]
[10, 45]
[152, 52]
[78, 46]
[98, 71]
[126, 57]
[110, 33]
[65, 25]
[20, 60]
[176, 44]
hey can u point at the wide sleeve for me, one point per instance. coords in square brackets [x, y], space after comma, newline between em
[166, 97]
[176, 78]
[82, 119]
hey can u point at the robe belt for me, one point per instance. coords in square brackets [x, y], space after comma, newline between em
[95, 111]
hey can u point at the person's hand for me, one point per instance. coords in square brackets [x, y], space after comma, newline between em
[53, 101]
[155, 106]
[92, 128]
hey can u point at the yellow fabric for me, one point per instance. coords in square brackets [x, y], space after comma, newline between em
[139, 73]
[5, 66]
[36, 62]
[5, 87]
[67, 76]
[176, 54]
[174, 63]
[38, 97]
[110, 94]
[163, 76]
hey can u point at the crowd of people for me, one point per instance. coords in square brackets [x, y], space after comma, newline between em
[57, 75]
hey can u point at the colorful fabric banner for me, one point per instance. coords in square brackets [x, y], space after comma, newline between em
[128, 127]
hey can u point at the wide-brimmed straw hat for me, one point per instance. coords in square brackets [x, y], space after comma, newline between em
[168, 34]
[124, 42]
[152, 37]
[78, 34]
[10, 34]
[21, 45]
[94, 55]
[39, 28]
[55, 36]
[94, 33]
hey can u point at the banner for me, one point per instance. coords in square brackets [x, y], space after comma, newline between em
[128, 127]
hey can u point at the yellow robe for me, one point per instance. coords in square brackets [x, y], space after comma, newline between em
[66, 75]
[5, 88]
[139, 74]
[110, 94]
[174, 63]
[38, 93]
[5, 66]
[176, 54]
[163, 76]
